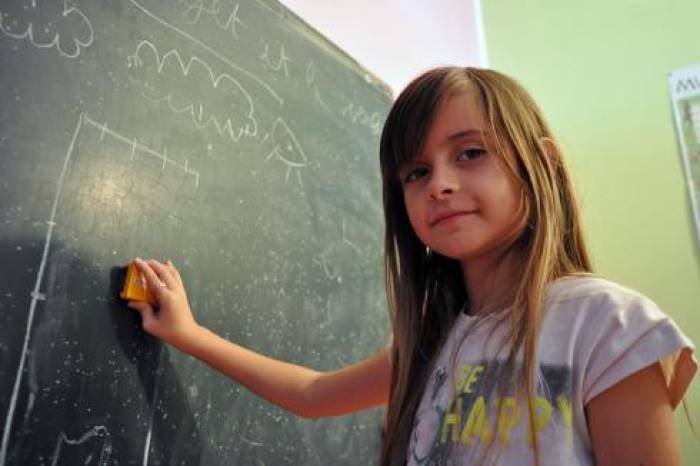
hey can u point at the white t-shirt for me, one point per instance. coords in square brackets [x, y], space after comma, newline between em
[594, 333]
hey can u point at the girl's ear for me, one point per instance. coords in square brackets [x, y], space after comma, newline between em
[550, 148]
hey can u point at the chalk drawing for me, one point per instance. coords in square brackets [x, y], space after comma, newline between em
[97, 431]
[152, 413]
[345, 239]
[218, 55]
[311, 84]
[134, 147]
[325, 259]
[328, 315]
[10, 24]
[252, 426]
[32, 306]
[195, 8]
[251, 442]
[225, 85]
[286, 149]
[322, 261]
[282, 63]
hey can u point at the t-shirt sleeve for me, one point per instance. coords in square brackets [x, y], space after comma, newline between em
[628, 333]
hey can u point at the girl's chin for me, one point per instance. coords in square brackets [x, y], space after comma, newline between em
[460, 253]
[466, 252]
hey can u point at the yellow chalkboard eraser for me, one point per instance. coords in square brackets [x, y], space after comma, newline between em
[135, 286]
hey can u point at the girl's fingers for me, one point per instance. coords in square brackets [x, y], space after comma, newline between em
[164, 273]
[139, 306]
[174, 271]
[155, 283]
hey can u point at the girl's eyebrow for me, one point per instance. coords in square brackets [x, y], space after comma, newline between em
[465, 133]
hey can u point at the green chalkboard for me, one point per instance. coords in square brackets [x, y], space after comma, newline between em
[227, 136]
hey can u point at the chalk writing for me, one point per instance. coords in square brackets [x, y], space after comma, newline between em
[358, 114]
[195, 8]
[218, 55]
[282, 63]
[69, 21]
[311, 84]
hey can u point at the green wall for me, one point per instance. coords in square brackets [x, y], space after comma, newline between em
[598, 69]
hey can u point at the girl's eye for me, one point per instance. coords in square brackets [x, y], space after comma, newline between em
[472, 154]
[415, 174]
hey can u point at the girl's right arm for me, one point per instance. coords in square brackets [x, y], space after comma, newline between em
[298, 389]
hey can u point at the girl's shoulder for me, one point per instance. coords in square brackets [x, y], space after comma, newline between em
[593, 294]
[593, 308]
[612, 331]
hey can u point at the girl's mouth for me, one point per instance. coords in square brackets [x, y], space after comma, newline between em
[450, 216]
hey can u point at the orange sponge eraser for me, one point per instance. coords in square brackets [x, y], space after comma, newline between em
[135, 286]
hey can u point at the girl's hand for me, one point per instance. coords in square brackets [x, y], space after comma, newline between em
[172, 322]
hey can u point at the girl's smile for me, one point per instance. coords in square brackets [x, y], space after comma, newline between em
[449, 217]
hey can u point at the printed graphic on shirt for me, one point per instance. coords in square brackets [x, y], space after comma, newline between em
[464, 420]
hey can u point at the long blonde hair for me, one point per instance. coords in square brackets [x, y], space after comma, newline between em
[425, 291]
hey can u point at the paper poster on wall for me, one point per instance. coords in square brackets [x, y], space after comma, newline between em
[684, 86]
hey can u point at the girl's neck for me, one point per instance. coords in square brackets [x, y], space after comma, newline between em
[491, 281]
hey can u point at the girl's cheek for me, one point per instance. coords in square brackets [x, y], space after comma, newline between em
[414, 221]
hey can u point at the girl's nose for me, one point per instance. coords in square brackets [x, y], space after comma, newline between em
[443, 182]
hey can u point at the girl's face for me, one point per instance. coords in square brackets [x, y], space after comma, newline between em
[460, 200]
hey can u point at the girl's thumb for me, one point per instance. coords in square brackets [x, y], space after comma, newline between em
[146, 311]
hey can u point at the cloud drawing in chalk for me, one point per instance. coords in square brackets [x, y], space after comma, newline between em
[48, 25]
[191, 87]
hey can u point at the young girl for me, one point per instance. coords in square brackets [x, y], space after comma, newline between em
[505, 349]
